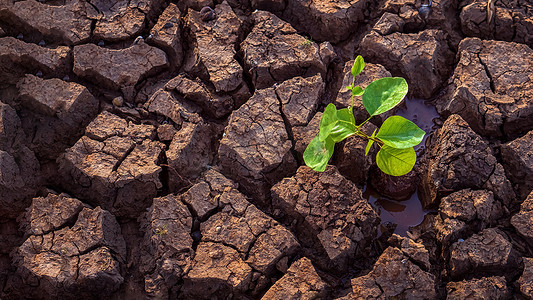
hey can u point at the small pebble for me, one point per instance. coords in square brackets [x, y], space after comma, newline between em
[207, 14]
[460, 240]
[101, 43]
[218, 229]
[138, 40]
[20, 36]
[66, 78]
[39, 74]
[118, 101]
[424, 11]
[197, 235]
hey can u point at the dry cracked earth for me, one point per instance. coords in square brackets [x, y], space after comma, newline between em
[153, 150]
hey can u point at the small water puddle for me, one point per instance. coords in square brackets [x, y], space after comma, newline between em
[406, 213]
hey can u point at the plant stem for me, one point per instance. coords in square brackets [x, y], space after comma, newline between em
[364, 135]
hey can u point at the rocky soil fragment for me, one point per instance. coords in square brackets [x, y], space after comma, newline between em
[58, 111]
[60, 259]
[118, 69]
[122, 20]
[65, 24]
[19, 168]
[166, 34]
[235, 248]
[394, 275]
[494, 98]
[303, 135]
[370, 73]
[299, 99]
[424, 58]
[504, 20]
[328, 214]
[213, 48]
[326, 21]
[526, 280]
[18, 58]
[274, 52]
[192, 147]
[488, 252]
[517, 158]
[255, 150]
[460, 159]
[213, 104]
[115, 165]
[523, 220]
[484, 288]
[300, 282]
[465, 212]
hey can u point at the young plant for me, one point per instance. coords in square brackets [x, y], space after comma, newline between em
[395, 138]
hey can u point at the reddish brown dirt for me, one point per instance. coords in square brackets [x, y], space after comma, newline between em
[153, 149]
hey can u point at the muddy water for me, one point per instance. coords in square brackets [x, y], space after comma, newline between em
[409, 212]
[423, 114]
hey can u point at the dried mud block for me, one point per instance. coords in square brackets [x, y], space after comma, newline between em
[237, 243]
[331, 21]
[167, 244]
[274, 52]
[213, 48]
[300, 282]
[522, 221]
[351, 159]
[328, 213]
[50, 213]
[517, 158]
[118, 69]
[115, 165]
[506, 20]
[166, 34]
[491, 88]
[164, 103]
[459, 159]
[122, 20]
[483, 288]
[424, 58]
[415, 251]
[394, 275]
[18, 58]
[465, 212]
[19, 168]
[66, 24]
[370, 73]
[255, 150]
[526, 280]
[410, 16]
[83, 259]
[486, 253]
[59, 112]
[299, 98]
[215, 105]
[190, 153]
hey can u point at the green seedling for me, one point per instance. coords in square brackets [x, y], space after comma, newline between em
[396, 137]
[161, 230]
[308, 42]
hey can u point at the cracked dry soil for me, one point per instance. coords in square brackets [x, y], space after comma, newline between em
[153, 150]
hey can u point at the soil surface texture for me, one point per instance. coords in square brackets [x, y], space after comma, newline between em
[154, 150]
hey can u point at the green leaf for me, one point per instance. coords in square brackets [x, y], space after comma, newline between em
[328, 121]
[384, 94]
[398, 132]
[370, 143]
[318, 153]
[394, 161]
[357, 91]
[336, 124]
[358, 65]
